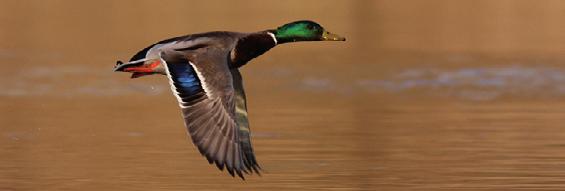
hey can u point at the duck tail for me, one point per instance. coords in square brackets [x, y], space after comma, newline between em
[141, 54]
[138, 58]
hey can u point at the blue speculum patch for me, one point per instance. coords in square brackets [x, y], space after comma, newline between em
[185, 79]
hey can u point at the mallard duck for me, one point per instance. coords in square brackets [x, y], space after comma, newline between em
[203, 74]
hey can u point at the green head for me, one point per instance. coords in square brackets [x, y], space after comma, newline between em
[304, 31]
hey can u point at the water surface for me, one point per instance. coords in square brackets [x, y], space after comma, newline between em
[423, 96]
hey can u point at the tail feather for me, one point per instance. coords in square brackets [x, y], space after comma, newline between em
[141, 54]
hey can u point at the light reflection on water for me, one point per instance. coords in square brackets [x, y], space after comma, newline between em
[301, 145]
[478, 83]
[366, 114]
[481, 83]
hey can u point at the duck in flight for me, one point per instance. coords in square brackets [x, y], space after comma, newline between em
[203, 71]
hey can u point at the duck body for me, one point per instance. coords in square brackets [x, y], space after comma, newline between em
[243, 47]
[203, 71]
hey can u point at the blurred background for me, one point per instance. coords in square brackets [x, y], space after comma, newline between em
[426, 95]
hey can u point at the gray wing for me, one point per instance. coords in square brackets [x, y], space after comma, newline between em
[207, 94]
[243, 123]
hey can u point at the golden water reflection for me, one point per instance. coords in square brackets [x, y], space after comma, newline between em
[424, 95]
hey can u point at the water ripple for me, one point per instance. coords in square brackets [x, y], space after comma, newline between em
[481, 83]
[71, 81]
[474, 83]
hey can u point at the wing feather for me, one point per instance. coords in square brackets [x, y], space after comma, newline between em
[212, 101]
[244, 131]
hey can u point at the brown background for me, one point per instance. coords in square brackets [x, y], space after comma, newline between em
[423, 95]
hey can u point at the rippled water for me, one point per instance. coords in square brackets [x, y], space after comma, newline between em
[428, 95]
[345, 144]
[478, 83]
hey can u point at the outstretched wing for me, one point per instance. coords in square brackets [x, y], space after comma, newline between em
[204, 86]
[243, 123]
